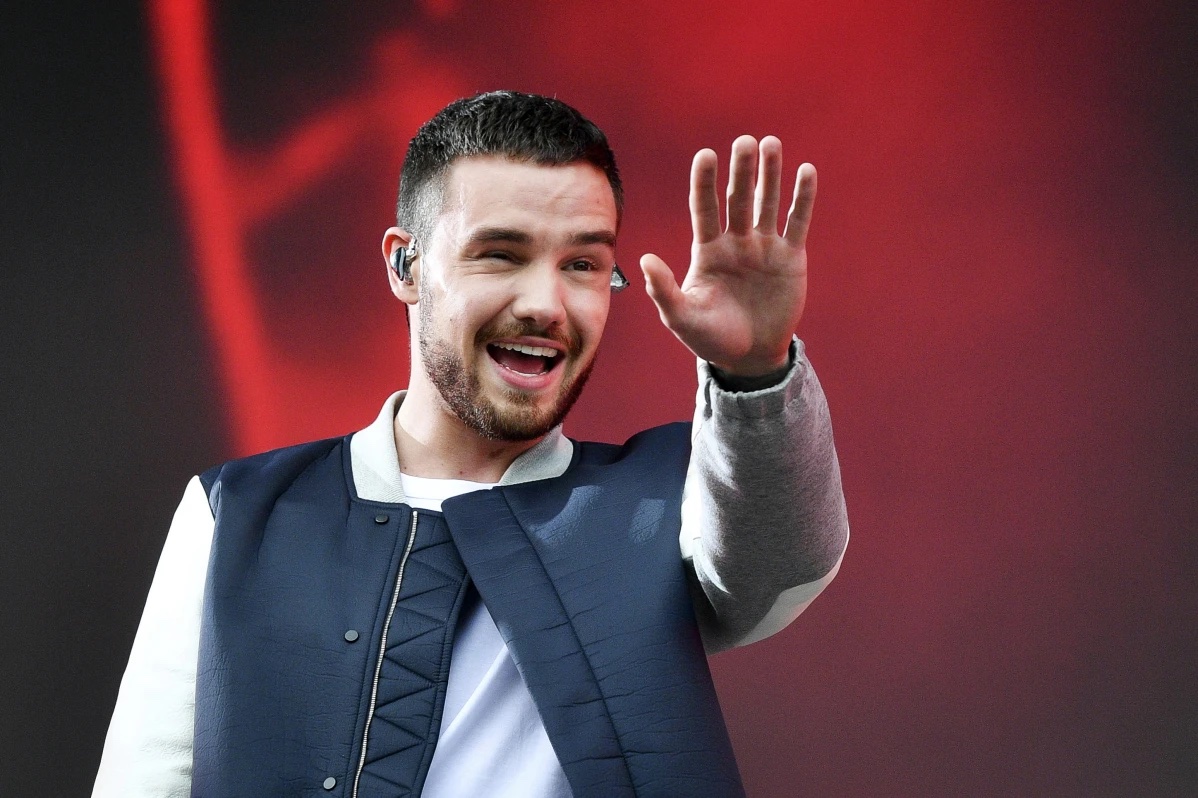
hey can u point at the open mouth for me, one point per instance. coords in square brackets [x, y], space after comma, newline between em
[524, 359]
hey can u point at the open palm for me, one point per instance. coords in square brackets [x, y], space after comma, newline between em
[744, 292]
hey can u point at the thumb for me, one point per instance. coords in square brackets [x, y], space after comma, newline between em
[662, 289]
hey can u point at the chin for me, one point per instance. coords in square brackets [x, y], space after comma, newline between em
[499, 412]
[518, 416]
[514, 424]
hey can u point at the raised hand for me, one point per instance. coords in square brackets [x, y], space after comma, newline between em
[743, 295]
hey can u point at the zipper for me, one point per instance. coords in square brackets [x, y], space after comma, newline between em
[378, 667]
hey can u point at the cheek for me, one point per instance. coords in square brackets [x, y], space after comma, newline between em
[448, 321]
[465, 321]
[590, 315]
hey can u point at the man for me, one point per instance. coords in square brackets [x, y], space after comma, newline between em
[458, 600]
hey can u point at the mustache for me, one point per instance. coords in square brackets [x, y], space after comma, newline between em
[571, 341]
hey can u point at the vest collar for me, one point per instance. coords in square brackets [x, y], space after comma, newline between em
[375, 462]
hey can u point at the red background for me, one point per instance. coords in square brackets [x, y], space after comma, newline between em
[1002, 312]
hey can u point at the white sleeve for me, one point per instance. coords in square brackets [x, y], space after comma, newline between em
[148, 751]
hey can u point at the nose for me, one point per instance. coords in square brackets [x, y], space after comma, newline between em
[540, 297]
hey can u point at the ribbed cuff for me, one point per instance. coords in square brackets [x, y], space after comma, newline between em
[724, 394]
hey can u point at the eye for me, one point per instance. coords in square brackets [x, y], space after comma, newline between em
[582, 265]
[499, 255]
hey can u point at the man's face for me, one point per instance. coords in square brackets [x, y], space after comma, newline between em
[514, 292]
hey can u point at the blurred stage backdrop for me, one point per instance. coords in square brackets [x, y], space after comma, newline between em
[1002, 311]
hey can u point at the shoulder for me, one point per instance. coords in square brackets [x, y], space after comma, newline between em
[666, 441]
[277, 467]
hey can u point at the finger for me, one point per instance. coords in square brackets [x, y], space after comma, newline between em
[705, 197]
[800, 210]
[662, 289]
[740, 184]
[769, 185]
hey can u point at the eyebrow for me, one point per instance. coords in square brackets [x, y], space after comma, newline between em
[490, 235]
[594, 237]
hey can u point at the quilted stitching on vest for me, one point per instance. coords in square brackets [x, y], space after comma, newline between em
[415, 670]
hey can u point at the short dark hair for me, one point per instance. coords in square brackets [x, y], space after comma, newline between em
[523, 127]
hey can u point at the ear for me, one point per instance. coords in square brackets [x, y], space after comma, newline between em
[393, 239]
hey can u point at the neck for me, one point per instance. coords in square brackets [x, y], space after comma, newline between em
[433, 442]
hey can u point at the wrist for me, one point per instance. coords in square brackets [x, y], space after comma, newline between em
[756, 376]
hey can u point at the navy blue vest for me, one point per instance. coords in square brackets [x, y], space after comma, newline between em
[328, 620]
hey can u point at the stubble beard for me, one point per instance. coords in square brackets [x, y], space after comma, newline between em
[462, 393]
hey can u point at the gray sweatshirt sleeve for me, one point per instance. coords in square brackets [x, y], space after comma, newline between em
[764, 525]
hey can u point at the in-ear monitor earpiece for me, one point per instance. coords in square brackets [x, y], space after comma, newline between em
[401, 263]
[618, 281]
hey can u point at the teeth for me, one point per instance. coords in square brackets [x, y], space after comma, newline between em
[538, 351]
